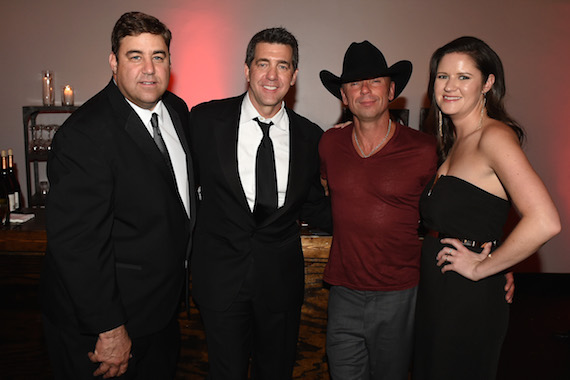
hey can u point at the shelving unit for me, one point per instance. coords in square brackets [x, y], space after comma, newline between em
[33, 155]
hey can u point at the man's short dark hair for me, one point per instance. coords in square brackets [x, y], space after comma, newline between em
[135, 23]
[273, 36]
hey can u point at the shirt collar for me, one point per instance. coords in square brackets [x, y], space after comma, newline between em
[249, 113]
[145, 114]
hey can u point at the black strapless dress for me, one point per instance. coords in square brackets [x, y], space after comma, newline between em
[460, 324]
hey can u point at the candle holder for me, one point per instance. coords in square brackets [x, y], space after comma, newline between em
[67, 95]
[48, 95]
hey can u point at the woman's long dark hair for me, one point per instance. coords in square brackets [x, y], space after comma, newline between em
[488, 62]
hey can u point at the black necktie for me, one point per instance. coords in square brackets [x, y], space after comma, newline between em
[160, 141]
[265, 176]
[158, 136]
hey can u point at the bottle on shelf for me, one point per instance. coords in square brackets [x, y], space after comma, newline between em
[15, 183]
[7, 181]
[40, 197]
[6, 192]
[4, 203]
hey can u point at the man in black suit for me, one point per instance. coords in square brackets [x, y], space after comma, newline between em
[247, 262]
[119, 218]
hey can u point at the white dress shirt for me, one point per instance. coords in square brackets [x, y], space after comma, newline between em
[249, 138]
[172, 142]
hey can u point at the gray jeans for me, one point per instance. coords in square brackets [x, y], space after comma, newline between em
[370, 333]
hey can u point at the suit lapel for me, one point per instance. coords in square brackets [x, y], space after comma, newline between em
[226, 134]
[139, 134]
[136, 130]
[298, 156]
[299, 150]
[184, 142]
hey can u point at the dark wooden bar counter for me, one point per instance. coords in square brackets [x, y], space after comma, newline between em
[22, 249]
[22, 349]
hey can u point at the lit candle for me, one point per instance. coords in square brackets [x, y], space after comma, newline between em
[67, 98]
[47, 88]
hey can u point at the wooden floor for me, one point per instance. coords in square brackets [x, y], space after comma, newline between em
[541, 308]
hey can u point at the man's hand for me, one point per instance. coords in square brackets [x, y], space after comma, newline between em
[112, 350]
[509, 287]
[325, 185]
[342, 125]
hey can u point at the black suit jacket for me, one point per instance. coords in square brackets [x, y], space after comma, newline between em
[118, 233]
[227, 239]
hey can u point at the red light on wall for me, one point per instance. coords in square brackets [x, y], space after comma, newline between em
[204, 60]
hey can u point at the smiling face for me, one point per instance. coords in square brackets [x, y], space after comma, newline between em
[459, 85]
[368, 99]
[141, 68]
[270, 76]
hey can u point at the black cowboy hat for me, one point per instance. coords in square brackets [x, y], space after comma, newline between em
[363, 60]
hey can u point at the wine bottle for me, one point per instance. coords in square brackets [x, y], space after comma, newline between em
[15, 183]
[4, 203]
[7, 182]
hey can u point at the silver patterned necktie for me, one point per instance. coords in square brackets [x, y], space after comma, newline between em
[160, 142]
